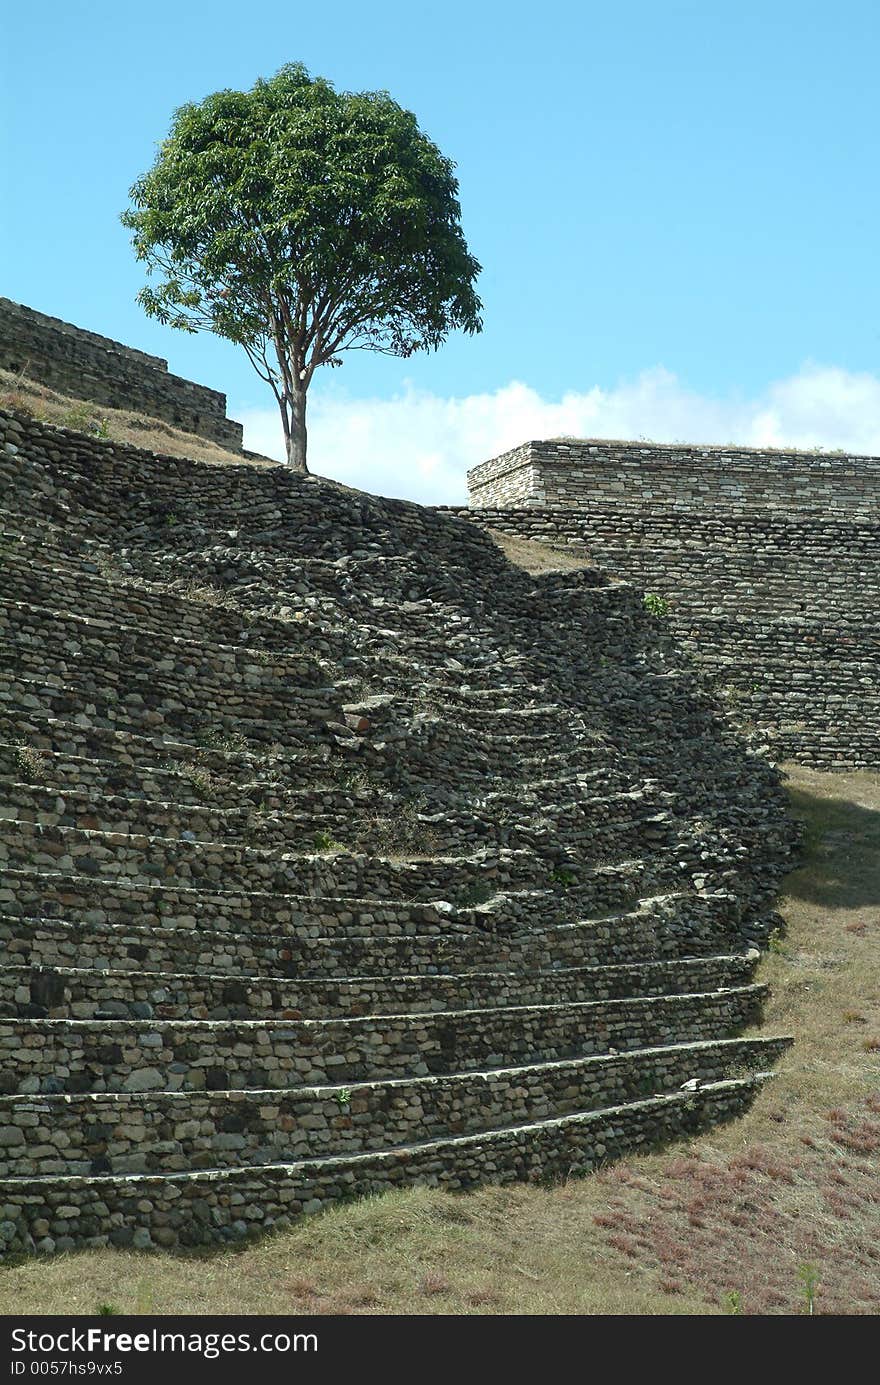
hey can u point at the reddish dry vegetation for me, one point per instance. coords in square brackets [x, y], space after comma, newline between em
[750, 1224]
[796, 1185]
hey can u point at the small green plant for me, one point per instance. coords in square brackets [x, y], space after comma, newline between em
[324, 841]
[343, 1096]
[809, 1278]
[83, 419]
[205, 592]
[144, 1298]
[655, 605]
[400, 831]
[733, 1302]
[229, 742]
[78, 417]
[474, 895]
[776, 942]
[426, 706]
[18, 402]
[356, 782]
[107, 565]
[565, 878]
[107, 1310]
[200, 777]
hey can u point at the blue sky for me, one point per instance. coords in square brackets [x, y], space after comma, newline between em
[675, 204]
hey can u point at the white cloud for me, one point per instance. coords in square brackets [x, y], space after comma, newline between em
[419, 445]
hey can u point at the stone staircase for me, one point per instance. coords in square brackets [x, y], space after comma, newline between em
[777, 608]
[337, 853]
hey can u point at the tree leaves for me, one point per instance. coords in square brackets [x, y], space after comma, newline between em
[302, 223]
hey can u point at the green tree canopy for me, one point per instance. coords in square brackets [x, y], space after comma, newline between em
[302, 222]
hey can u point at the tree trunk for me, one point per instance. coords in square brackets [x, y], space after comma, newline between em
[297, 437]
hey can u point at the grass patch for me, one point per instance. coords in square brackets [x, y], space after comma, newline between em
[46, 405]
[536, 557]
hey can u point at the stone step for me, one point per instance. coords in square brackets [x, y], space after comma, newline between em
[104, 594]
[47, 895]
[33, 782]
[31, 630]
[208, 865]
[420, 940]
[291, 820]
[483, 901]
[140, 693]
[112, 644]
[224, 752]
[33, 774]
[211, 629]
[315, 586]
[319, 638]
[136, 1055]
[81, 993]
[172, 771]
[138, 702]
[167, 1132]
[260, 723]
[223, 1206]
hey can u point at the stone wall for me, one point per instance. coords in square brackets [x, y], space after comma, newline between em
[767, 563]
[89, 366]
[673, 476]
[223, 1205]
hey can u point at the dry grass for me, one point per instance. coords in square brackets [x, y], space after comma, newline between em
[536, 557]
[499, 1251]
[739, 1212]
[119, 425]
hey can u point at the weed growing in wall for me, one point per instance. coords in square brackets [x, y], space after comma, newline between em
[204, 592]
[31, 764]
[200, 777]
[325, 841]
[474, 895]
[656, 605]
[228, 742]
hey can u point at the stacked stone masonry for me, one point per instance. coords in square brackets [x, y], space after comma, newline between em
[87, 366]
[768, 562]
[336, 853]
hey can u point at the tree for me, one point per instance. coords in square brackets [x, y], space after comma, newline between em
[302, 222]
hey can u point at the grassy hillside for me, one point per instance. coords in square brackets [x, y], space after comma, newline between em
[744, 1219]
[119, 425]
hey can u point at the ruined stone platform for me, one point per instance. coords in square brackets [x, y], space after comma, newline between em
[338, 853]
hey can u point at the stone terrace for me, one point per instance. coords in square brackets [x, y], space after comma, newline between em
[337, 853]
[767, 559]
[101, 370]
